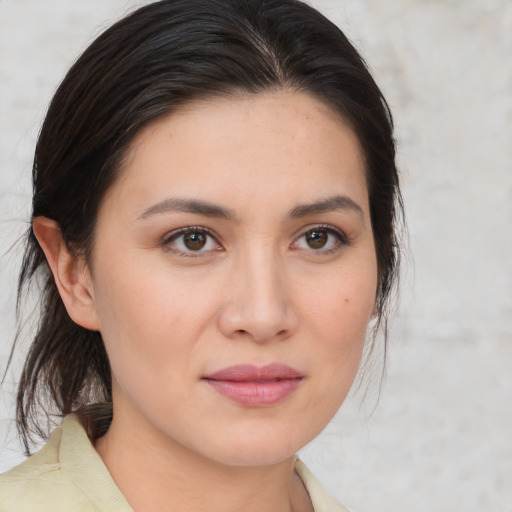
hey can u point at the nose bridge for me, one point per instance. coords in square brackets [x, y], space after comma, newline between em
[264, 279]
[259, 305]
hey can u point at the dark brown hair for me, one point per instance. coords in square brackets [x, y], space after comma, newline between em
[146, 65]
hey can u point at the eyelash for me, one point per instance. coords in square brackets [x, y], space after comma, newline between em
[174, 235]
[167, 243]
[341, 239]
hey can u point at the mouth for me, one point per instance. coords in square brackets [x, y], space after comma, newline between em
[254, 386]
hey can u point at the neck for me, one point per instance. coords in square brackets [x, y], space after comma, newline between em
[154, 472]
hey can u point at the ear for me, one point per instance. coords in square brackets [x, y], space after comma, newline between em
[71, 274]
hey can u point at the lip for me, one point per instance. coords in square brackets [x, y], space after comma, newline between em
[255, 386]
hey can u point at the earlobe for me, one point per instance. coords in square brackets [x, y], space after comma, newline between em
[71, 274]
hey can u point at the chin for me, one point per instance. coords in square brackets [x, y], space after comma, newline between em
[255, 456]
[263, 448]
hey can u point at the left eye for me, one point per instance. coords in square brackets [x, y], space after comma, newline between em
[319, 239]
[191, 240]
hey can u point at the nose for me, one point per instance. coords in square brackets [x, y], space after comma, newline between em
[257, 305]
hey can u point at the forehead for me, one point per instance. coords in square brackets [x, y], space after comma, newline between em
[273, 143]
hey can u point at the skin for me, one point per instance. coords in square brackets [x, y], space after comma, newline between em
[257, 292]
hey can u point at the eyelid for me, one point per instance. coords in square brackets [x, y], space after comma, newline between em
[169, 237]
[342, 237]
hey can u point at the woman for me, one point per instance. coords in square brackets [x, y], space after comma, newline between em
[215, 194]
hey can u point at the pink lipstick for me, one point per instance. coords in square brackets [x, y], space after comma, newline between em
[255, 386]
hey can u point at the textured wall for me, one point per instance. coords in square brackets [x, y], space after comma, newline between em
[440, 438]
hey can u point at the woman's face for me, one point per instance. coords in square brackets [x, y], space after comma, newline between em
[234, 275]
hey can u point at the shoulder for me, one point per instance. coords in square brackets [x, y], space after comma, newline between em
[66, 474]
[322, 501]
[34, 484]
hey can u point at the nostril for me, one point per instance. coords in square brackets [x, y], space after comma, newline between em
[257, 320]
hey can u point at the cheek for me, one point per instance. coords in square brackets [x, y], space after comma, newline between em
[342, 306]
[145, 320]
[336, 316]
[156, 323]
[339, 312]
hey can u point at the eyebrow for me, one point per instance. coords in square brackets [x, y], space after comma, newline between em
[188, 206]
[326, 205]
[208, 209]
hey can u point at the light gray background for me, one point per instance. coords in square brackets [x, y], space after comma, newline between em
[440, 439]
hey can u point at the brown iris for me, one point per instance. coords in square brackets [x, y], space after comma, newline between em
[194, 241]
[316, 239]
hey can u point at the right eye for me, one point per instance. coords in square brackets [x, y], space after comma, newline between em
[191, 241]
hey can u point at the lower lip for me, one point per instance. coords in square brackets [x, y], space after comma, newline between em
[255, 393]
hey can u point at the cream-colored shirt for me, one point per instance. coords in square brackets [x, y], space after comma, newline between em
[67, 475]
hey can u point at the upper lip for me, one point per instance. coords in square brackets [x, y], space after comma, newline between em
[253, 373]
